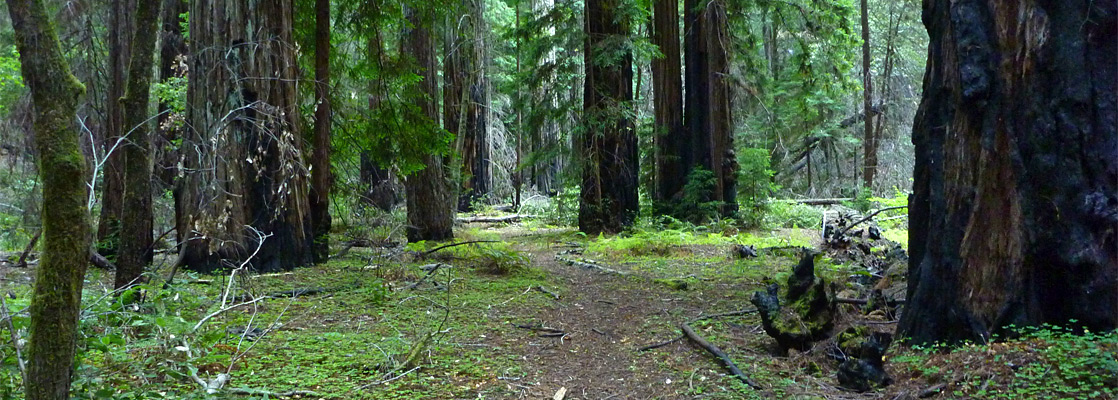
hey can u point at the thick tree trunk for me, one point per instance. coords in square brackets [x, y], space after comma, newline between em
[136, 223]
[429, 198]
[56, 299]
[244, 186]
[112, 186]
[172, 48]
[673, 143]
[320, 160]
[1015, 204]
[466, 99]
[707, 97]
[609, 145]
[869, 140]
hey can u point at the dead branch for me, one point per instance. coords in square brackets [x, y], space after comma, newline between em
[588, 264]
[659, 345]
[15, 336]
[722, 356]
[815, 202]
[544, 290]
[544, 331]
[495, 220]
[862, 302]
[866, 218]
[447, 246]
[431, 269]
[100, 261]
[27, 250]
[725, 314]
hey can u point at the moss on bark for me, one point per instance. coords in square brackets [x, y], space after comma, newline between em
[56, 301]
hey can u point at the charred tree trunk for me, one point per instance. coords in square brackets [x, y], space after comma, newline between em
[112, 186]
[320, 160]
[673, 143]
[707, 98]
[608, 200]
[172, 50]
[1014, 216]
[466, 99]
[869, 139]
[244, 186]
[136, 223]
[429, 197]
[56, 299]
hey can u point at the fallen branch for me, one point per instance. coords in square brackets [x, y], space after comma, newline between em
[659, 345]
[431, 269]
[725, 314]
[15, 337]
[361, 243]
[722, 356]
[27, 250]
[447, 246]
[548, 292]
[297, 292]
[815, 202]
[495, 220]
[544, 331]
[866, 218]
[100, 261]
[270, 394]
[588, 264]
[862, 302]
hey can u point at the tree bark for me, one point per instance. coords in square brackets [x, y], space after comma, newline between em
[56, 298]
[466, 99]
[112, 186]
[1015, 203]
[172, 47]
[244, 186]
[673, 143]
[608, 202]
[429, 198]
[136, 223]
[869, 139]
[320, 160]
[707, 100]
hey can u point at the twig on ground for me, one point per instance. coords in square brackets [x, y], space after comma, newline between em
[548, 292]
[431, 269]
[725, 314]
[588, 264]
[447, 246]
[722, 356]
[659, 345]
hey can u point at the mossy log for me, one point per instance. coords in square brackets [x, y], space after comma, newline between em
[808, 314]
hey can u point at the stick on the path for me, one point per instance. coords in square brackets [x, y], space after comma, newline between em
[690, 333]
[659, 345]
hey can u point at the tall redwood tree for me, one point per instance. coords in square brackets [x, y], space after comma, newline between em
[1014, 215]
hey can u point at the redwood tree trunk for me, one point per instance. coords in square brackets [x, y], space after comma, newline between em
[136, 223]
[609, 146]
[320, 161]
[466, 99]
[429, 198]
[56, 299]
[1015, 203]
[112, 186]
[243, 176]
[172, 47]
[707, 97]
[673, 143]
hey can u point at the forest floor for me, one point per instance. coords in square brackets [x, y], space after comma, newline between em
[511, 320]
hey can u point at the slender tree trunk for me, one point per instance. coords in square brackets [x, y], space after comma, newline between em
[1014, 210]
[56, 299]
[869, 141]
[320, 161]
[430, 201]
[609, 145]
[136, 223]
[112, 187]
[673, 143]
[244, 186]
[172, 49]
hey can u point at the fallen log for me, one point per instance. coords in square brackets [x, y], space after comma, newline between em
[722, 356]
[100, 261]
[495, 220]
[866, 218]
[588, 264]
[816, 202]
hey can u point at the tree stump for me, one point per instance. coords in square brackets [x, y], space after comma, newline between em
[809, 314]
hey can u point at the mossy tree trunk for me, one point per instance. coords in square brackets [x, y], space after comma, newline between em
[429, 197]
[320, 160]
[673, 142]
[56, 300]
[136, 220]
[608, 202]
[1014, 215]
[243, 176]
